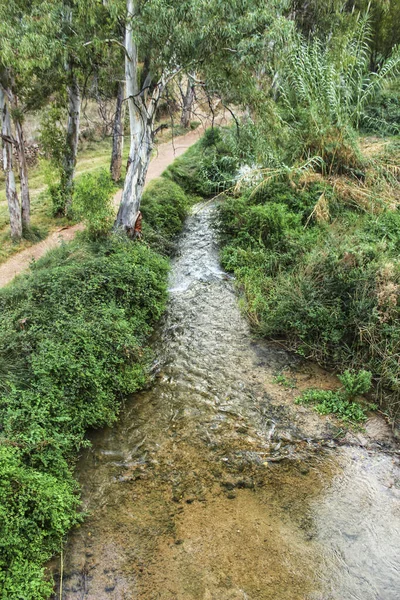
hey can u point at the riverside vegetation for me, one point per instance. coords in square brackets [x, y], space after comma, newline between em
[307, 216]
[73, 342]
[316, 258]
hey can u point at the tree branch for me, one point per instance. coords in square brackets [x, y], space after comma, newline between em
[110, 41]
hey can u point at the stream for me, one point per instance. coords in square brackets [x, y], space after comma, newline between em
[213, 485]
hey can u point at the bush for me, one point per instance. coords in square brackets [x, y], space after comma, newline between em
[342, 403]
[208, 167]
[164, 206]
[76, 330]
[92, 202]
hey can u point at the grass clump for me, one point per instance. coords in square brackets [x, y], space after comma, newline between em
[342, 403]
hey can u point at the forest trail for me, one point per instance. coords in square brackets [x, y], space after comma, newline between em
[166, 154]
[212, 485]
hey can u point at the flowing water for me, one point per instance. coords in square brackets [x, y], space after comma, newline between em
[214, 486]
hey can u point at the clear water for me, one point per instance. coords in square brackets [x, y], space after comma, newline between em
[212, 487]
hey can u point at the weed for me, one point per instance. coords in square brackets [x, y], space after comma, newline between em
[285, 381]
[342, 403]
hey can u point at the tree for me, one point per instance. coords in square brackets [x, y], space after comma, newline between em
[142, 104]
[187, 101]
[210, 37]
[11, 188]
[118, 134]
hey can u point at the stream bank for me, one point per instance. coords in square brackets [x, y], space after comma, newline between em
[213, 486]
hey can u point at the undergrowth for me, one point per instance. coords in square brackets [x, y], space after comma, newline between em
[73, 343]
[342, 403]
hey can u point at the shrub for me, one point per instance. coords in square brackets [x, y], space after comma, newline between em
[164, 206]
[208, 167]
[92, 202]
[342, 403]
[78, 325]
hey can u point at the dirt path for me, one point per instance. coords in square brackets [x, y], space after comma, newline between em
[20, 262]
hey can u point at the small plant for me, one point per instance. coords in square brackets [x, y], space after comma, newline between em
[355, 383]
[93, 202]
[285, 381]
[341, 403]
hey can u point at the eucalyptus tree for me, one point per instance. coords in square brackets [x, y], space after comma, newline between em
[188, 96]
[190, 36]
[81, 27]
[23, 52]
[11, 189]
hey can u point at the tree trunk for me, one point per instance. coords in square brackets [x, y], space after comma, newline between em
[118, 135]
[23, 175]
[138, 165]
[142, 110]
[187, 104]
[20, 148]
[69, 163]
[11, 188]
[140, 131]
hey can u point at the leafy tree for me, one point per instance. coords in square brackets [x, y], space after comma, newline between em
[24, 49]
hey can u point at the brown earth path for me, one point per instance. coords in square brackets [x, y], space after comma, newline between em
[166, 154]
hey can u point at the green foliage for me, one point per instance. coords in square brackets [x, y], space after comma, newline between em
[382, 116]
[36, 508]
[164, 206]
[92, 202]
[78, 325]
[208, 167]
[355, 383]
[326, 90]
[342, 403]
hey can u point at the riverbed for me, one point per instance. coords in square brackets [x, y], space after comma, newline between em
[214, 485]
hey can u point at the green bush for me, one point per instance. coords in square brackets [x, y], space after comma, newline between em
[208, 167]
[92, 202]
[76, 330]
[342, 403]
[164, 206]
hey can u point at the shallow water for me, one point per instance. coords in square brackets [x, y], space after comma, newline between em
[214, 486]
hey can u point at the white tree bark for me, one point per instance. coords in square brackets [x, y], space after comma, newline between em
[187, 104]
[142, 110]
[11, 188]
[23, 175]
[118, 134]
[74, 109]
